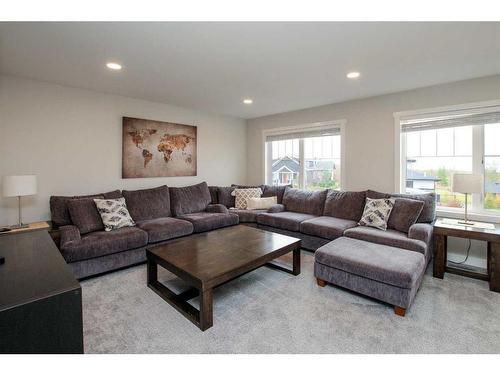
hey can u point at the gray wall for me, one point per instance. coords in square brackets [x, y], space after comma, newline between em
[72, 140]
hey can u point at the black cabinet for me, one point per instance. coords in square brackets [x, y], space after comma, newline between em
[40, 300]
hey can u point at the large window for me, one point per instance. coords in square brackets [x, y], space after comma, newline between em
[436, 146]
[308, 158]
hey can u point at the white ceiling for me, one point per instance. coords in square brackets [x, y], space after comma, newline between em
[281, 66]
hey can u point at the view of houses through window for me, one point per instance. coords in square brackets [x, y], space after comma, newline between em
[320, 156]
[433, 156]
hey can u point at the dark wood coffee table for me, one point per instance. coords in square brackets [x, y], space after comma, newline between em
[207, 260]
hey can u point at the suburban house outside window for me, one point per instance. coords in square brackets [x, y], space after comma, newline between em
[306, 157]
[436, 145]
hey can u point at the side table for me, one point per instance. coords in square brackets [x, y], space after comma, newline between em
[443, 229]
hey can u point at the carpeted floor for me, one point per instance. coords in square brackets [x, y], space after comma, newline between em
[268, 311]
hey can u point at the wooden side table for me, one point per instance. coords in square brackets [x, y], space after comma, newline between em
[443, 229]
[39, 225]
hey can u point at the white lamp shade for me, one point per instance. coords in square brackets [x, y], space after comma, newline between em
[467, 183]
[18, 186]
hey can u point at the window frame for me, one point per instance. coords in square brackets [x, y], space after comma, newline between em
[267, 173]
[476, 210]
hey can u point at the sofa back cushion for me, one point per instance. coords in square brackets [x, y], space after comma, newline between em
[59, 205]
[304, 201]
[84, 215]
[404, 214]
[348, 205]
[189, 199]
[428, 214]
[274, 191]
[225, 197]
[148, 204]
[214, 191]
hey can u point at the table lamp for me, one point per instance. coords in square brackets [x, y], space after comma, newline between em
[467, 184]
[19, 186]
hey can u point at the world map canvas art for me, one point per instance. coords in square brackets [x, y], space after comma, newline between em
[157, 149]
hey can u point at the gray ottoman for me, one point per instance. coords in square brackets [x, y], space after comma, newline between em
[390, 274]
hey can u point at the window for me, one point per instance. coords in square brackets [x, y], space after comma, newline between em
[307, 158]
[434, 147]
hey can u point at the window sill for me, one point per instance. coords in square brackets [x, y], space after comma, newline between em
[459, 214]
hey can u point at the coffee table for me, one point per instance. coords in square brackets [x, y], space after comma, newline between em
[207, 260]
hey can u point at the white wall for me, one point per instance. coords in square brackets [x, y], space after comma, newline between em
[369, 138]
[72, 140]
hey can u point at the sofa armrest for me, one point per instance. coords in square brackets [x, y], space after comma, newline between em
[217, 208]
[69, 234]
[422, 232]
[276, 208]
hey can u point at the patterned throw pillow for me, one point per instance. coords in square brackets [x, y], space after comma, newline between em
[114, 213]
[377, 212]
[242, 196]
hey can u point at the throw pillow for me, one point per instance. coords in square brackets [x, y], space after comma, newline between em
[242, 195]
[114, 213]
[84, 215]
[261, 203]
[377, 212]
[404, 214]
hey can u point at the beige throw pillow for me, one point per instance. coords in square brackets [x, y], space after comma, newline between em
[242, 195]
[261, 203]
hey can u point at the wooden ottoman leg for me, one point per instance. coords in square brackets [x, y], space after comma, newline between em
[399, 311]
[320, 282]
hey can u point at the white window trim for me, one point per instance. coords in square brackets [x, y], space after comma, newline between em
[299, 128]
[480, 214]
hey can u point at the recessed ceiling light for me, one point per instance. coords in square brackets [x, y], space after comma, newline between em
[353, 75]
[114, 66]
[247, 101]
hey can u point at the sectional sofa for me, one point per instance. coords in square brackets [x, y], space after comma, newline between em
[164, 213]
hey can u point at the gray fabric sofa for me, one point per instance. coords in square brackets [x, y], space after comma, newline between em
[160, 214]
[316, 217]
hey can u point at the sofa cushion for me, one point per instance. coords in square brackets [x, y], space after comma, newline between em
[165, 228]
[274, 191]
[305, 201]
[147, 204]
[247, 216]
[346, 205]
[389, 237]
[189, 199]
[84, 215]
[389, 265]
[428, 214]
[205, 221]
[225, 197]
[59, 205]
[326, 226]
[404, 214]
[284, 220]
[214, 191]
[102, 243]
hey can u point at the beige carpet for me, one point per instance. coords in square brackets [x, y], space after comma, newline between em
[268, 311]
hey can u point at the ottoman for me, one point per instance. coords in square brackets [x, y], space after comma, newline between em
[387, 273]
